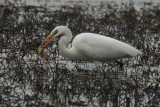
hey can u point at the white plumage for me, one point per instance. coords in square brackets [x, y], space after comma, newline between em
[90, 47]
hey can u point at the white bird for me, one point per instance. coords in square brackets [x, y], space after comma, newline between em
[90, 46]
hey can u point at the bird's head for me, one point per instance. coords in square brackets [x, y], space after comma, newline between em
[57, 32]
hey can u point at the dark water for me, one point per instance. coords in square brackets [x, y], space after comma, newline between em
[26, 80]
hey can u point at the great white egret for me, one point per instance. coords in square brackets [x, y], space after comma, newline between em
[90, 46]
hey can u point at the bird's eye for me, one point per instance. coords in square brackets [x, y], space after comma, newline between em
[55, 32]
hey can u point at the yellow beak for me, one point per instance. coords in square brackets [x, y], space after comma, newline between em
[47, 40]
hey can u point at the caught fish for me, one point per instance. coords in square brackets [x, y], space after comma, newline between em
[42, 54]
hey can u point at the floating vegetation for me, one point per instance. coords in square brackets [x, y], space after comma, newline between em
[25, 80]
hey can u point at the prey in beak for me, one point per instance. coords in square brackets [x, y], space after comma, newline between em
[49, 38]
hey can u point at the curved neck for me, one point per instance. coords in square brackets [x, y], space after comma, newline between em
[63, 45]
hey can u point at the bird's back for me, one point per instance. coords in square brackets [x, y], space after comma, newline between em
[102, 48]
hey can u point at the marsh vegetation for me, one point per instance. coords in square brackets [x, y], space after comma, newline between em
[26, 80]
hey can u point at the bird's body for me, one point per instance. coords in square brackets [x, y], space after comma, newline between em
[91, 47]
[100, 48]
